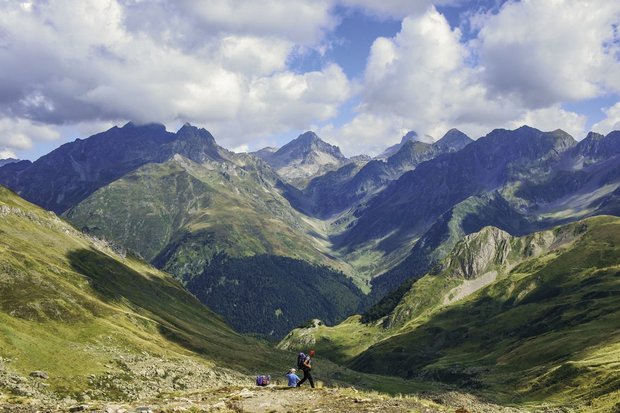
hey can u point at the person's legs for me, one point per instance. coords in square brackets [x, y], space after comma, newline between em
[310, 379]
[306, 372]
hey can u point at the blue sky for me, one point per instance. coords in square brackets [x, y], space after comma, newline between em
[259, 72]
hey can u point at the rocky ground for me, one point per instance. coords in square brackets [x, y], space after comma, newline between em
[147, 384]
[274, 399]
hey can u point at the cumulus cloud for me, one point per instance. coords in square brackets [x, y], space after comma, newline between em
[552, 118]
[222, 64]
[69, 67]
[6, 154]
[611, 122]
[545, 52]
[420, 80]
[528, 59]
[20, 134]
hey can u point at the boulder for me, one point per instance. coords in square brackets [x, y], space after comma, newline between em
[39, 375]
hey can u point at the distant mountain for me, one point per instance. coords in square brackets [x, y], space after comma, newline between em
[499, 313]
[435, 186]
[7, 161]
[334, 192]
[410, 136]
[520, 181]
[70, 173]
[265, 152]
[303, 157]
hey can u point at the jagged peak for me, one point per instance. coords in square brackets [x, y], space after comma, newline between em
[310, 140]
[188, 130]
[414, 136]
[409, 137]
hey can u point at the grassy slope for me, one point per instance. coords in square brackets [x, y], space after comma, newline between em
[179, 214]
[67, 301]
[545, 330]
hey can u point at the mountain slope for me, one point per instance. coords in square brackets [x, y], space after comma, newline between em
[224, 221]
[87, 314]
[523, 319]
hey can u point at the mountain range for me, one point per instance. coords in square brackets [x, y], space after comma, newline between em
[487, 264]
[195, 209]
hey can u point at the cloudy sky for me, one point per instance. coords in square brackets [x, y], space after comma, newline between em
[259, 72]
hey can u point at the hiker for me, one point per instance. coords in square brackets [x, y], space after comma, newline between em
[304, 363]
[293, 378]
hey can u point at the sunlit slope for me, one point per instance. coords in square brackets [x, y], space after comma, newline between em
[522, 319]
[69, 304]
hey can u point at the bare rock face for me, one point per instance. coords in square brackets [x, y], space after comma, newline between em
[478, 252]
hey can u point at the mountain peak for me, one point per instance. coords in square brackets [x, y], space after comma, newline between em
[453, 140]
[149, 125]
[304, 156]
[308, 137]
[409, 137]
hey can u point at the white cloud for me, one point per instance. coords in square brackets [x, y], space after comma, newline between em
[611, 121]
[219, 64]
[19, 134]
[552, 118]
[551, 51]
[530, 57]
[6, 154]
[189, 22]
[395, 8]
[420, 80]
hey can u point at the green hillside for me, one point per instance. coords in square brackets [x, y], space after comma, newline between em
[73, 307]
[272, 295]
[522, 320]
[180, 213]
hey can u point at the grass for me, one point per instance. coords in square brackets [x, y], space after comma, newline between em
[68, 302]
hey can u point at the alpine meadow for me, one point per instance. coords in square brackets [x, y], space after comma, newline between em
[310, 206]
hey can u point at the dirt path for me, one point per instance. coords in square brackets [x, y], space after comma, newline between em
[328, 400]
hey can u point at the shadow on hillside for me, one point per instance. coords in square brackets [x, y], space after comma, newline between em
[112, 280]
[166, 309]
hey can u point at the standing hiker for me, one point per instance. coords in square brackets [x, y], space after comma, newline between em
[304, 363]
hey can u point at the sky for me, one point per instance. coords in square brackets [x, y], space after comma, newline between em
[255, 73]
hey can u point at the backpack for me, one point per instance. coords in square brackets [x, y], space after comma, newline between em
[263, 380]
[300, 361]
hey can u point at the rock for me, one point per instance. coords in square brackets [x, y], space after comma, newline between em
[160, 372]
[80, 408]
[144, 409]
[363, 400]
[219, 406]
